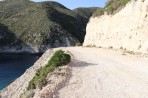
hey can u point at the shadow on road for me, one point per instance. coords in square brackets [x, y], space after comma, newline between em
[83, 64]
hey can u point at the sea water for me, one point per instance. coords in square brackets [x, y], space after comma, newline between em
[14, 65]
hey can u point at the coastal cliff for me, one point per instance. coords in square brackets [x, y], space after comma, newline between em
[126, 30]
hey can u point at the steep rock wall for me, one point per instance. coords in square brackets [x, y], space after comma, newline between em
[128, 29]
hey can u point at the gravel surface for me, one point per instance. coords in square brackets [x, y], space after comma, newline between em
[102, 73]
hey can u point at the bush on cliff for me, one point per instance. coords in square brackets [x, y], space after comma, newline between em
[114, 5]
[78, 44]
[111, 7]
[99, 12]
[59, 58]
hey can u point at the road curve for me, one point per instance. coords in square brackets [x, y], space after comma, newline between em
[99, 73]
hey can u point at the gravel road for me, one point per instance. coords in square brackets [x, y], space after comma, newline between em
[102, 73]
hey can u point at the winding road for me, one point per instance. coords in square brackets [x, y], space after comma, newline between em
[103, 73]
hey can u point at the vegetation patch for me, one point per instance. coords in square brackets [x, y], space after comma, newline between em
[110, 47]
[99, 12]
[78, 44]
[111, 7]
[59, 58]
[114, 5]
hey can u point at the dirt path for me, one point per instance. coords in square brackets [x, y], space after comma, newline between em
[100, 73]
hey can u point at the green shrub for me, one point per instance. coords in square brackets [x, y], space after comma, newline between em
[88, 45]
[123, 2]
[99, 12]
[110, 47]
[110, 9]
[59, 58]
[142, 0]
[113, 5]
[78, 44]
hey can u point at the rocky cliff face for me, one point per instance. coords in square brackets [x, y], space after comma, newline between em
[35, 26]
[126, 29]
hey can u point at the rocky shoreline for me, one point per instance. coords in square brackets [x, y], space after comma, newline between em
[31, 49]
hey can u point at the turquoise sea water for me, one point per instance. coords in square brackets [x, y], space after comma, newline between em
[14, 65]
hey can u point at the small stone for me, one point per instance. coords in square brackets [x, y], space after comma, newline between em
[54, 96]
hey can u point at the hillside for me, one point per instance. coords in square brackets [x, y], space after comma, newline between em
[86, 12]
[38, 26]
[126, 30]
[94, 70]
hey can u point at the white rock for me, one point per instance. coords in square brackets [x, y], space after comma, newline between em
[128, 29]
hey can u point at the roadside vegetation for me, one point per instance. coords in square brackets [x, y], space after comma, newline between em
[78, 44]
[59, 58]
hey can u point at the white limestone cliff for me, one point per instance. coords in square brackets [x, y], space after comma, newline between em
[127, 29]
